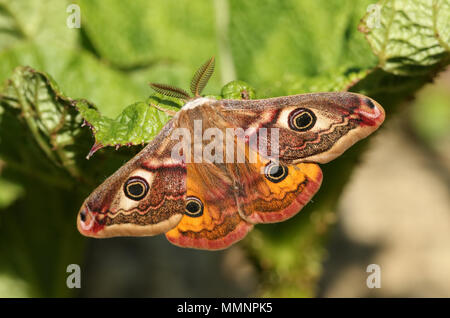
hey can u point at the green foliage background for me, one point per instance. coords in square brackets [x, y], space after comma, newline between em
[279, 47]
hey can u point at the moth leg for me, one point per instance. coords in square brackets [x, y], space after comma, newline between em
[167, 111]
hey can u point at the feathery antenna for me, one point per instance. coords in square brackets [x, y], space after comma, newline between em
[170, 91]
[202, 76]
[198, 83]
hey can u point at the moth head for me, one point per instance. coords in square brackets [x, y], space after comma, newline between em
[132, 202]
[327, 124]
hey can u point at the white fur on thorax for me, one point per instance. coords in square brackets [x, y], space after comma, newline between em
[196, 102]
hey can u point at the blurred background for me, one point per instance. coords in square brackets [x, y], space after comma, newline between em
[386, 201]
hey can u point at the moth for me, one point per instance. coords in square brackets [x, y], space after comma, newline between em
[211, 198]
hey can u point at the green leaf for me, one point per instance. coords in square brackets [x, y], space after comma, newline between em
[138, 124]
[42, 149]
[410, 37]
[40, 142]
[9, 192]
[12, 33]
[29, 20]
[238, 90]
[48, 115]
[280, 45]
[107, 88]
[159, 42]
[150, 31]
